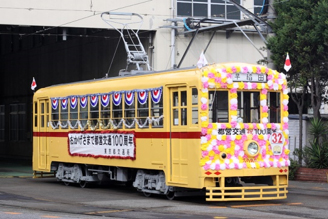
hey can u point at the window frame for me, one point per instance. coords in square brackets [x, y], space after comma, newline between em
[194, 107]
[104, 110]
[75, 111]
[147, 108]
[119, 110]
[209, 4]
[93, 120]
[17, 122]
[83, 111]
[277, 106]
[156, 107]
[64, 113]
[179, 108]
[212, 108]
[242, 99]
[129, 108]
[257, 7]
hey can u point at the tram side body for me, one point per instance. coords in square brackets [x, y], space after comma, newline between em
[152, 145]
[168, 160]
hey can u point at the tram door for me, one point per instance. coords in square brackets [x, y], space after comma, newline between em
[43, 118]
[178, 129]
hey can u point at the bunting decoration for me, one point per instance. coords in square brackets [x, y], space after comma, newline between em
[73, 102]
[54, 104]
[83, 101]
[94, 100]
[117, 97]
[64, 104]
[105, 100]
[156, 95]
[142, 97]
[129, 97]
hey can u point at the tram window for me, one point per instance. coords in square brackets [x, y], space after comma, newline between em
[73, 115]
[83, 115]
[117, 114]
[194, 110]
[156, 112]
[143, 113]
[105, 115]
[94, 112]
[219, 106]
[248, 106]
[42, 115]
[55, 116]
[175, 99]
[47, 113]
[129, 111]
[274, 107]
[35, 114]
[183, 104]
[63, 116]
[179, 108]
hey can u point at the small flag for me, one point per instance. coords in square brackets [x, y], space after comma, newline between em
[33, 85]
[202, 60]
[288, 65]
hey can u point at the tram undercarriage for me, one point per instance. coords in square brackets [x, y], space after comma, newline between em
[151, 182]
[145, 181]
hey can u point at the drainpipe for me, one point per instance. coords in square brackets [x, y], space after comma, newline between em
[173, 38]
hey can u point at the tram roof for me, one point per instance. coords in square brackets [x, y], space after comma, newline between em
[156, 80]
[88, 86]
[138, 73]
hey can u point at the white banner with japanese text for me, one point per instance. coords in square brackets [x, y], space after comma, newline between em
[109, 144]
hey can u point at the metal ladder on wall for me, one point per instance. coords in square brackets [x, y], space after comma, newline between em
[136, 54]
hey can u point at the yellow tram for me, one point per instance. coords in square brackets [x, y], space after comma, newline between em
[222, 129]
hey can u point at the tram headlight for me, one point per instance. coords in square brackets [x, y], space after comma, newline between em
[251, 148]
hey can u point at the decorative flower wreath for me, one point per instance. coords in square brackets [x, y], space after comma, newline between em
[213, 143]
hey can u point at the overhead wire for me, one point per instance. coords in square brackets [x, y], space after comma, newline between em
[94, 14]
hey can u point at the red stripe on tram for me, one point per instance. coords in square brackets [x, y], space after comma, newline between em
[50, 134]
[183, 135]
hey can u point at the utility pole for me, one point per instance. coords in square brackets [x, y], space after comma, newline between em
[271, 18]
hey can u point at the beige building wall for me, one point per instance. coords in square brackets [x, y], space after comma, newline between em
[86, 14]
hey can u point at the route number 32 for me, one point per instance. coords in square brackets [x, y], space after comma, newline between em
[277, 141]
[277, 138]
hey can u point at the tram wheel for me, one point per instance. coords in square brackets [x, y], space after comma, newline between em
[147, 194]
[83, 184]
[170, 195]
[66, 183]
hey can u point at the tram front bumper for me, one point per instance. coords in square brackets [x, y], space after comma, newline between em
[260, 185]
[247, 193]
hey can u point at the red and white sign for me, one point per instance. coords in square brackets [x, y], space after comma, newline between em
[102, 144]
[277, 141]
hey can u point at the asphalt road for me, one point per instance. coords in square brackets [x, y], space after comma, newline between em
[25, 197]
[21, 196]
